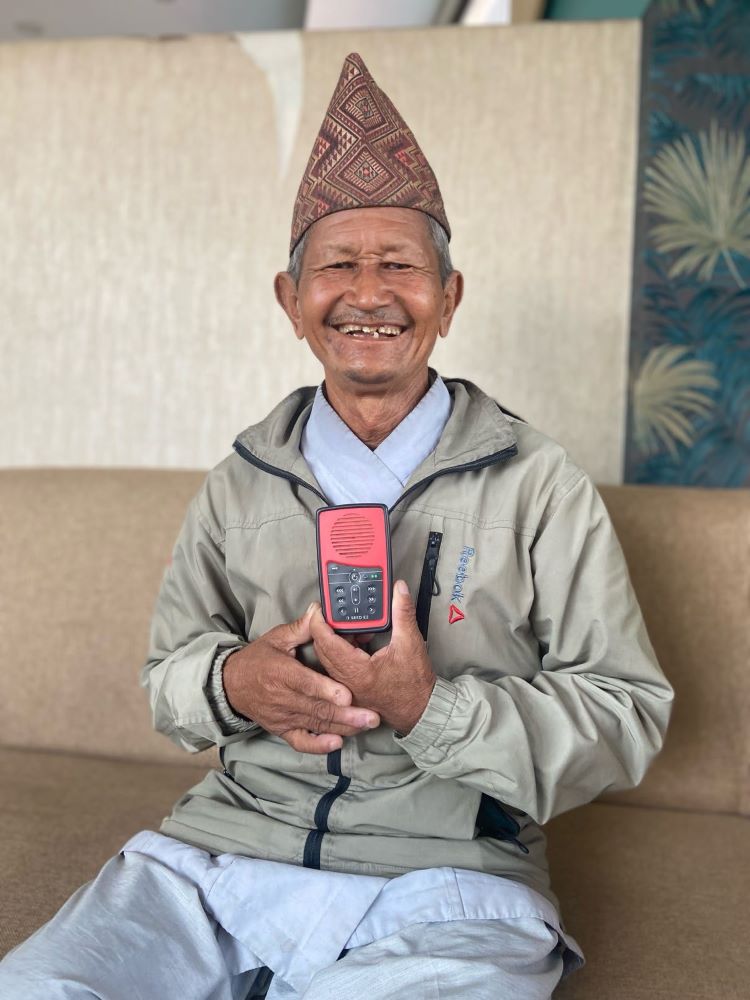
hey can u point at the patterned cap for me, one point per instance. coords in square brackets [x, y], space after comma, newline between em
[365, 156]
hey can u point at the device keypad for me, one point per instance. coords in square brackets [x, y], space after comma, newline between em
[357, 592]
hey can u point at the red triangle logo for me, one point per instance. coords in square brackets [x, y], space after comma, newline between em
[454, 614]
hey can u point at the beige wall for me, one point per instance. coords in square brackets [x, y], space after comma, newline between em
[146, 200]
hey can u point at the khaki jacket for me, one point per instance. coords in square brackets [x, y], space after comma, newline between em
[548, 689]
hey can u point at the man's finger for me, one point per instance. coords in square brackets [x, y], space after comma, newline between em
[334, 647]
[323, 717]
[404, 614]
[315, 685]
[288, 636]
[306, 742]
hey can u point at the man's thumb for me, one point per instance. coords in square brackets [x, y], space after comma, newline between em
[403, 611]
[298, 631]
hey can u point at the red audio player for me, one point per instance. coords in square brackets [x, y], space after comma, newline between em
[354, 567]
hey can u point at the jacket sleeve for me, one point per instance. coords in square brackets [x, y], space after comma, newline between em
[594, 716]
[196, 621]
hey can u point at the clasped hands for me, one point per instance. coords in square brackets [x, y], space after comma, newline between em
[265, 681]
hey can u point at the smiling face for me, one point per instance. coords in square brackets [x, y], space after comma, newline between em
[370, 302]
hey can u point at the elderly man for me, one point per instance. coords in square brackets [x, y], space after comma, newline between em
[375, 830]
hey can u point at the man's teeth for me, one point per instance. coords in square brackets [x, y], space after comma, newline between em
[374, 331]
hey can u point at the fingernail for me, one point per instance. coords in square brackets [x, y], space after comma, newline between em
[310, 608]
[367, 721]
[402, 588]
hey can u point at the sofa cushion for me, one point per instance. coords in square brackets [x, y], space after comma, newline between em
[688, 551]
[84, 551]
[62, 817]
[657, 899]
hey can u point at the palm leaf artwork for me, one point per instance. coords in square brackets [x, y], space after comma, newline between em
[700, 29]
[728, 93]
[668, 8]
[662, 128]
[709, 316]
[668, 390]
[721, 452]
[728, 26]
[680, 29]
[702, 191]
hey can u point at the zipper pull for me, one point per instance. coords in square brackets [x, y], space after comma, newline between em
[433, 546]
[428, 581]
[433, 552]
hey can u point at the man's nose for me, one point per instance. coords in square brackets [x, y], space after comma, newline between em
[368, 288]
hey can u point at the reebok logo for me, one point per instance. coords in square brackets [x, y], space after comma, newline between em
[455, 614]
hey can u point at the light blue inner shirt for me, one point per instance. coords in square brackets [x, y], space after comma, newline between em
[350, 472]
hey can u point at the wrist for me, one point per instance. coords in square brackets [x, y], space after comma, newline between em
[231, 673]
[406, 722]
[229, 719]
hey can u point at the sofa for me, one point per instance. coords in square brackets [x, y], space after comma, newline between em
[653, 882]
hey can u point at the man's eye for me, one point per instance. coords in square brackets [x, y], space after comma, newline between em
[396, 265]
[340, 264]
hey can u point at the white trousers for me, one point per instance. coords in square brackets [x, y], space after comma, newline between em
[140, 931]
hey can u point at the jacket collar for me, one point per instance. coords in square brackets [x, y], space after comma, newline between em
[477, 429]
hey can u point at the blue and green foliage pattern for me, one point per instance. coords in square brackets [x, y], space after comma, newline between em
[689, 386]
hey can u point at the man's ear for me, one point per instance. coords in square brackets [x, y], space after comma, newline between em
[453, 292]
[286, 295]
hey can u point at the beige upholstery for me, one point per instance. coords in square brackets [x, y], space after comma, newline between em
[689, 556]
[62, 817]
[653, 883]
[658, 900]
[78, 602]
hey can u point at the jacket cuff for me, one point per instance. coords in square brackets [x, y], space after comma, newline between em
[425, 743]
[228, 720]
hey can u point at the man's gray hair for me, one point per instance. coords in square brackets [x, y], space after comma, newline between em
[437, 233]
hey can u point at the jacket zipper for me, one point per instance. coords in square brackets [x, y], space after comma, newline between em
[427, 581]
[314, 841]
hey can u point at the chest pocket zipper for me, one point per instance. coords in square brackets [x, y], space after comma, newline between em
[428, 585]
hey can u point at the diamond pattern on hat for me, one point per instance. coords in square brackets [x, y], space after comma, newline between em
[361, 109]
[365, 156]
[367, 174]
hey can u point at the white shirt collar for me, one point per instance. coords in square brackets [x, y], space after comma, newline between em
[350, 472]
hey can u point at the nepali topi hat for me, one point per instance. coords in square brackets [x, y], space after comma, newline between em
[365, 156]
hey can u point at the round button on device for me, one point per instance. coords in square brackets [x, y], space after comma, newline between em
[354, 576]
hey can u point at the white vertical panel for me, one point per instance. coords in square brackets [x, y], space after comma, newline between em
[487, 12]
[279, 54]
[332, 14]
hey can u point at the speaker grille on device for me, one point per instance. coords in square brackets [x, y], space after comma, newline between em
[352, 534]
